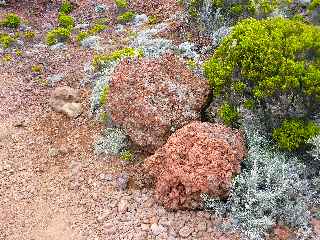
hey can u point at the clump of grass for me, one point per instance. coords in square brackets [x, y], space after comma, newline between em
[18, 53]
[37, 69]
[228, 114]
[6, 40]
[127, 156]
[66, 21]
[99, 60]
[97, 28]
[82, 35]
[126, 17]
[11, 20]
[152, 20]
[7, 58]
[58, 35]
[66, 7]
[121, 3]
[295, 133]
[104, 95]
[29, 35]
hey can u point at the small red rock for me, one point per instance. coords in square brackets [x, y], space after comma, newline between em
[151, 98]
[198, 158]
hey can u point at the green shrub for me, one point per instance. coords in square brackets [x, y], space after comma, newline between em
[58, 35]
[65, 21]
[228, 114]
[36, 69]
[152, 20]
[66, 7]
[126, 17]
[236, 9]
[11, 20]
[274, 62]
[121, 3]
[99, 60]
[18, 53]
[104, 95]
[7, 58]
[126, 155]
[97, 28]
[193, 8]
[82, 35]
[6, 40]
[314, 4]
[294, 133]
[29, 35]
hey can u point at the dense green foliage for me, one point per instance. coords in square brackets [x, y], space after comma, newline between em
[66, 7]
[271, 57]
[66, 21]
[11, 20]
[314, 4]
[228, 114]
[58, 35]
[295, 133]
[121, 3]
[126, 17]
[82, 35]
[97, 28]
[6, 40]
[268, 63]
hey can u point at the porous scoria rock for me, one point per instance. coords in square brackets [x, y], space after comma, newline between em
[151, 98]
[66, 100]
[198, 158]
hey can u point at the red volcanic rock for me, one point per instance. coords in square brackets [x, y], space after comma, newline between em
[198, 158]
[151, 98]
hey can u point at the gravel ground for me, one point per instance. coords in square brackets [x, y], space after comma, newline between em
[52, 186]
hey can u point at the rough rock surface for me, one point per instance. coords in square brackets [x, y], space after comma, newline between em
[200, 157]
[66, 100]
[151, 98]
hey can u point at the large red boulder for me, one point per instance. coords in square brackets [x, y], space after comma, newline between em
[151, 98]
[198, 158]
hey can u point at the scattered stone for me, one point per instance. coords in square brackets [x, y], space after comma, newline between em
[123, 206]
[53, 79]
[122, 181]
[156, 98]
[58, 46]
[20, 123]
[119, 28]
[145, 227]
[23, 27]
[101, 8]
[106, 177]
[140, 19]
[82, 26]
[54, 152]
[185, 231]
[65, 100]
[157, 229]
[91, 42]
[199, 158]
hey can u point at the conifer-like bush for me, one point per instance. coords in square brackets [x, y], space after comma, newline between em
[273, 64]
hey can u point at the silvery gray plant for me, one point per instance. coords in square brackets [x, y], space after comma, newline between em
[271, 189]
